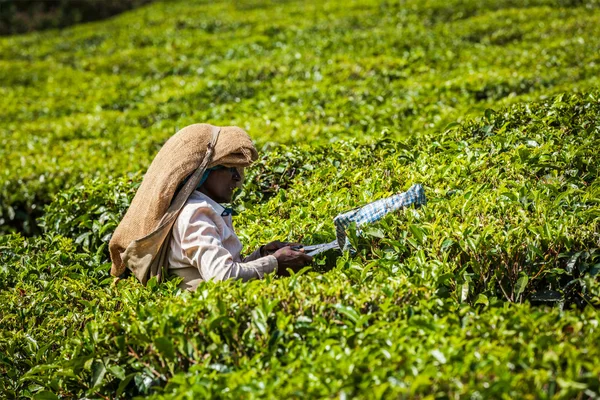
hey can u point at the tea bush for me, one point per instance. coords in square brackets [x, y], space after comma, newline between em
[422, 308]
[489, 291]
[512, 197]
[99, 99]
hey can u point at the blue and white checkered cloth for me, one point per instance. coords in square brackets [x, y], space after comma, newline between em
[375, 211]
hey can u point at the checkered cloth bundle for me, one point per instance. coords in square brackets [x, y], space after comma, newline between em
[375, 211]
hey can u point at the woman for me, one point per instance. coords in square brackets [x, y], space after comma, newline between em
[202, 244]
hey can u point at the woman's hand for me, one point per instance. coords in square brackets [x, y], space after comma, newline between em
[271, 248]
[288, 258]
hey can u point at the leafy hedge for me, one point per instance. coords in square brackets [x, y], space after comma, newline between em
[513, 198]
[99, 99]
[429, 305]
[489, 291]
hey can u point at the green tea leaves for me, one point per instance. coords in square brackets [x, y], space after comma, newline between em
[165, 347]
[489, 291]
[98, 372]
[521, 284]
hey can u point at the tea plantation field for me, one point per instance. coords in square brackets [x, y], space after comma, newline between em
[489, 291]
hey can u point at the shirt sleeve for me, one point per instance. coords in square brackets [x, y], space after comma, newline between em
[254, 256]
[201, 244]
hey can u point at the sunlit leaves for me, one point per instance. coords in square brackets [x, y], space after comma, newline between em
[469, 296]
[99, 99]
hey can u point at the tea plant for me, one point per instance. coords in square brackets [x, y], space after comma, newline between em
[99, 99]
[489, 291]
[512, 216]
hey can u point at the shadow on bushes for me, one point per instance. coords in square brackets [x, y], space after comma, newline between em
[18, 16]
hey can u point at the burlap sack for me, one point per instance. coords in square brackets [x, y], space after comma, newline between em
[140, 242]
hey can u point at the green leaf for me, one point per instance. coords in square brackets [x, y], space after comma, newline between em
[123, 384]
[45, 395]
[521, 284]
[98, 372]
[439, 356]
[569, 384]
[152, 283]
[165, 347]
[375, 232]
[463, 292]
[349, 312]
[573, 261]
[446, 244]
[221, 320]
[117, 371]
[482, 299]
[84, 237]
[418, 233]
[451, 125]
[259, 321]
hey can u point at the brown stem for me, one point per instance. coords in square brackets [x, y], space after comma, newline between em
[503, 291]
[137, 357]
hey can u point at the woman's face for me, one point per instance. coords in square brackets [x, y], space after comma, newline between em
[221, 183]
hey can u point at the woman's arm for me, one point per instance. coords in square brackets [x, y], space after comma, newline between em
[202, 245]
[255, 255]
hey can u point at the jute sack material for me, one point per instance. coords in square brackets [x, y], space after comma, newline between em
[140, 242]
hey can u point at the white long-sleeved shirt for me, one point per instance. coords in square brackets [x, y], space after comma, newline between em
[204, 246]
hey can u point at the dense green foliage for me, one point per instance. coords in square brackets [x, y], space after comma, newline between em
[100, 99]
[489, 291]
[422, 308]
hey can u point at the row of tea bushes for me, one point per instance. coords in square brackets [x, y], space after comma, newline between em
[353, 331]
[513, 198]
[97, 100]
[436, 301]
